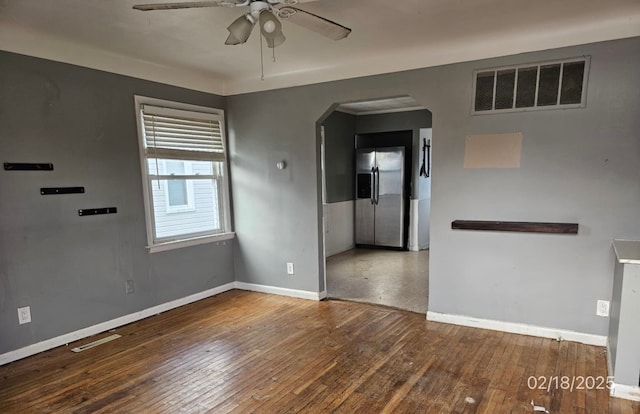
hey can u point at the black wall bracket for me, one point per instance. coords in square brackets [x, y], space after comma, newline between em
[22, 166]
[96, 211]
[61, 190]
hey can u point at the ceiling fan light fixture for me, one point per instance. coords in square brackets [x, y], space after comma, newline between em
[276, 40]
[269, 26]
[271, 29]
[240, 29]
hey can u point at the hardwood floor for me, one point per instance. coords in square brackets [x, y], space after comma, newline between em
[255, 353]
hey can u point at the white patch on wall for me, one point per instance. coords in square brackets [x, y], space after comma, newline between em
[424, 224]
[414, 221]
[339, 227]
[493, 150]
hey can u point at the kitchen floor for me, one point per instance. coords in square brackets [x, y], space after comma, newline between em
[386, 277]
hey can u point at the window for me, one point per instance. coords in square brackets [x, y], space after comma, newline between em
[541, 86]
[184, 162]
[180, 195]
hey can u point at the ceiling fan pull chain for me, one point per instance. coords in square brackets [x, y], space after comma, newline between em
[274, 54]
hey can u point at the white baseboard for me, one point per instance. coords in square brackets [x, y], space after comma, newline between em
[133, 317]
[518, 328]
[302, 294]
[628, 392]
[105, 326]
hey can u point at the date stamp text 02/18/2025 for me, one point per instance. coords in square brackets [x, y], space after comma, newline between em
[569, 383]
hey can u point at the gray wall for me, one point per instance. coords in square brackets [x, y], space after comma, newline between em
[339, 135]
[71, 270]
[578, 165]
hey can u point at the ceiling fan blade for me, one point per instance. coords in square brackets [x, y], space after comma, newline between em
[187, 5]
[318, 24]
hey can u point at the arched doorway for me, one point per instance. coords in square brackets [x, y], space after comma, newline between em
[366, 272]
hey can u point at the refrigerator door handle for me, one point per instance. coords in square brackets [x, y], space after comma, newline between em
[373, 185]
[377, 180]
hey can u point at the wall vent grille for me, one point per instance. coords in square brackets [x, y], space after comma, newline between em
[96, 343]
[548, 85]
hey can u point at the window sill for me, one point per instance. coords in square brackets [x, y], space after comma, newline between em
[177, 244]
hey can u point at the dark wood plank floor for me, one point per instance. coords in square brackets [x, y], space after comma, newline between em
[254, 353]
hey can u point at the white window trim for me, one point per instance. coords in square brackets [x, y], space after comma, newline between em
[582, 104]
[148, 206]
[194, 241]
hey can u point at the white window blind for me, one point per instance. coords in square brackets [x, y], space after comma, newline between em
[184, 135]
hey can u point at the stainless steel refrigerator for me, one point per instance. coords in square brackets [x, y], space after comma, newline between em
[380, 196]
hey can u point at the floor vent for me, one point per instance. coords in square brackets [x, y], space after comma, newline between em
[96, 343]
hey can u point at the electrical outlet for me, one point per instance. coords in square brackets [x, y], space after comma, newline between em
[602, 308]
[128, 286]
[289, 268]
[24, 315]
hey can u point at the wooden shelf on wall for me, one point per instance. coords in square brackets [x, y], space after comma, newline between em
[516, 226]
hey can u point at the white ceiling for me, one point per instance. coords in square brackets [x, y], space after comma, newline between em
[380, 106]
[186, 47]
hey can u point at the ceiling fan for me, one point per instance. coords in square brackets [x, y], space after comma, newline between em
[267, 13]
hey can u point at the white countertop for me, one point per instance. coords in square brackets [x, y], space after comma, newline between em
[627, 251]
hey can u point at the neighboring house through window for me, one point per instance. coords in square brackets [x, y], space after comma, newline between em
[180, 196]
[185, 180]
